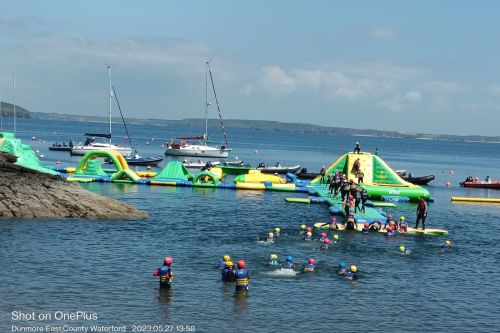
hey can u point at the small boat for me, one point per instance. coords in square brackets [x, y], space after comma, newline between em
[199, 164]
[303, 174]
[137, 159]
[424, 180]
[493, 184]
[61, 147]
[278, 168]
[401, 172]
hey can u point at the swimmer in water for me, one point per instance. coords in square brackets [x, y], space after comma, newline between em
[446, 246]
[277, 232]
[322, 237]
[228, 272]
[310, 266]
[366, 228]
[270, 238]
[352, 274]
[335, 239]
[241, 276]
[222, 263]
[273, 260]
[326, 244]
[403, 250]
[342, 269]
[308, 237]
[302, 230]
[375, 226]
[165, 273]
[289, 263]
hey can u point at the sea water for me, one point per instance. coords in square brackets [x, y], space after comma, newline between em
[105, 267]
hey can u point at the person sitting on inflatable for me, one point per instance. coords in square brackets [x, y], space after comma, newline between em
[342, 269]
[228, 272]
[273, 260]
[446, 246]
[352, 274]
[375, 225]
[310, 266]
[332, 224]
[350, 223]
[277, 232]
[322, 237]
[402, 226]
[308, 236]
[391, 231]
[289, 263]
[165, 273]
[302, 230]
[270, 237]
[326, 244]
[222, 263]
[390, 222]
[242, 277]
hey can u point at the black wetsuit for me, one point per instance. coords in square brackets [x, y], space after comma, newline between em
[364, 197]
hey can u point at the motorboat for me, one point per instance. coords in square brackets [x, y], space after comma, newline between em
[492, 184]
[424, 180]
[278, 168]
[304, 174]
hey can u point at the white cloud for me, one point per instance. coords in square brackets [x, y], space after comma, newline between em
[445, 87]
[400, 103]
[276, 81]
[493, 89]
[384, 34]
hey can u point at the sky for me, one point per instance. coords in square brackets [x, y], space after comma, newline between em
[421, 66]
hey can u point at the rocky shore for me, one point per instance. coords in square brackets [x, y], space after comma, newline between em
[26, 193]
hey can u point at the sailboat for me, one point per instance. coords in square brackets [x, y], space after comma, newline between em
[185, 148]
[90, 144]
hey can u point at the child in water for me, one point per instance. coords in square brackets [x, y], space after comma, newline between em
[310, 266]
[165, 273]
[352, 274]
[403, 250]
[273, 260]
[391, 231]
[322, 237]
[308, 237]
[446, 246]
[222, 263]
[326, 244]
[277, 232]
[270, 237]
[366, 228]
[342, 269]
[335, 239]
[402, 226]
[289, 263]
[302, 230]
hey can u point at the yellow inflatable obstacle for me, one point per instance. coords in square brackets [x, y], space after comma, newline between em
[477, 200]
[257, 177]
[410, 231]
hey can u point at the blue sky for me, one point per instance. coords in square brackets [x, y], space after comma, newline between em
[426, 66]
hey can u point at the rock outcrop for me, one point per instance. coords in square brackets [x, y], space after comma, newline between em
[26, 193]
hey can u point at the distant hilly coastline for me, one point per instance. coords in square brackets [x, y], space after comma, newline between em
[254, 124]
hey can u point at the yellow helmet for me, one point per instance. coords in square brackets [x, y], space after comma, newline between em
[277, 229]
[228, 263]
[309, 233]
[401, 218]
[273, 256]
[335, 237]
[402, 248]
[354, 269]
[303, 226]
[447, 242]
[226, 257]
[270, 235]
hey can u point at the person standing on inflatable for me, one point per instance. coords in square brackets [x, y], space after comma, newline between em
[322, 173]
[165, 273]
[421, 213]
[242, 277]
[357, 148]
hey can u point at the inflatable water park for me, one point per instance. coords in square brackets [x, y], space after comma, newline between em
[382, 184]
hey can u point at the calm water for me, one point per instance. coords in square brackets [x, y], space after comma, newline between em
[106, 266]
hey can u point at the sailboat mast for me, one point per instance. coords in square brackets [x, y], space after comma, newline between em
[14, 100]
[110, 100]
[206, 103]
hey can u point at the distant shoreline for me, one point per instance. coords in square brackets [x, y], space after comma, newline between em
[267, 125]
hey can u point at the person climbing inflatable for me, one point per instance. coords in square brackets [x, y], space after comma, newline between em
[350, 223]
[402, 225]
[165, 273]
[310, 266]
[391, 231]
[241, 276]
[390, 222]
[375, 226]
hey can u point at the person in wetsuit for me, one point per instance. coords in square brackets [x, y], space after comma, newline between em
[421, 213]
[165, 273]
[241, 276]
[375, 226]
[357, 148]
[352, 274]
[310, 266]
[364, 198]
[289, 263]
[390, 222]
[227, 273]
[350, 223]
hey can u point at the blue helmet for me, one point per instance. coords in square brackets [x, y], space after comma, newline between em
[343, 265]
[289, 259]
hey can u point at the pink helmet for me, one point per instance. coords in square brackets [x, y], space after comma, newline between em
[312, 261]
[366, 225]
[326, 241]
[323, 235]
[309, 229]
[168, 261]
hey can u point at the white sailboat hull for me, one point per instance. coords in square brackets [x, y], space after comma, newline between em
[82, 150]
[198, 151]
